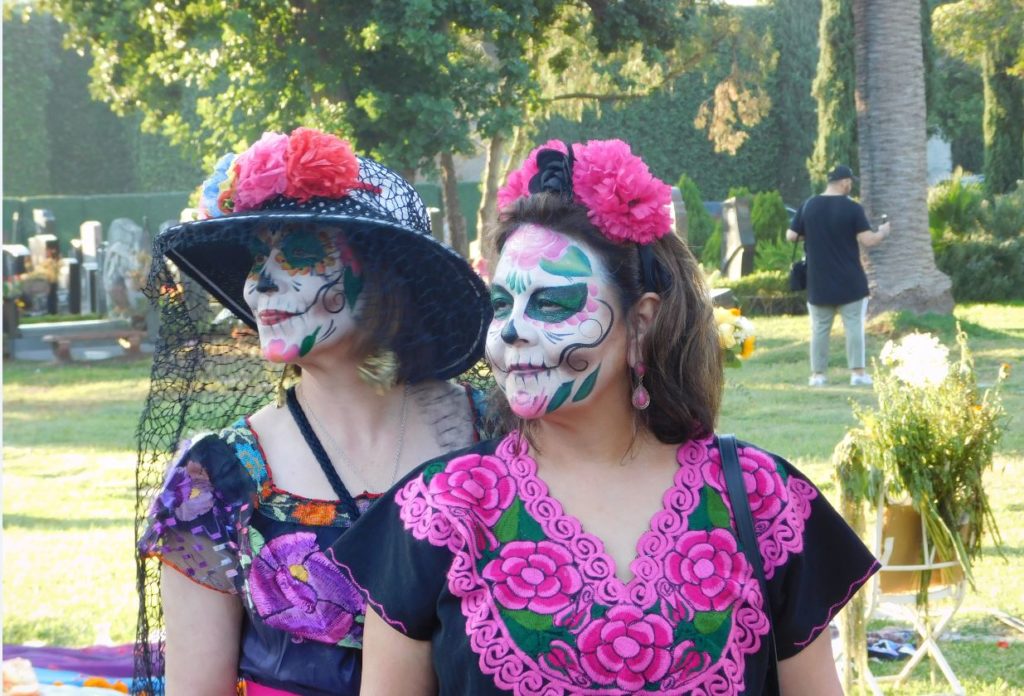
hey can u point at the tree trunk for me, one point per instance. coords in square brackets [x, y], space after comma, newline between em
[487, 214]
[452, 209]
[890, 102]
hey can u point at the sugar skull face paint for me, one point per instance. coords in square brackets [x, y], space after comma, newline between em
[303, 289]
[554, 314]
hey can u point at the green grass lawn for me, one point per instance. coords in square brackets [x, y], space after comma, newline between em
[69, 451]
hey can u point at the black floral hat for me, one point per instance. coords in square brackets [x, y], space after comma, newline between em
[313, 179]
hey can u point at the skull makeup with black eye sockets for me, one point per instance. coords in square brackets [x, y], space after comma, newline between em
[554, 328]
[303, 289]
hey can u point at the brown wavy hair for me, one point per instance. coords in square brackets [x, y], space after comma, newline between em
[680, 349]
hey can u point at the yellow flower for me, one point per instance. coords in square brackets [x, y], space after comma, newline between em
[748, 347]
[726, 339]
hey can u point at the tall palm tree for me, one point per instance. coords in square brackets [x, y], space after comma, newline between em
[890, 103]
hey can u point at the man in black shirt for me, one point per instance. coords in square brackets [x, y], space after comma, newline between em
[833, 228]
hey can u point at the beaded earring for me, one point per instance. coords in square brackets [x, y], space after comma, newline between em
[641, 398]
[380, 370]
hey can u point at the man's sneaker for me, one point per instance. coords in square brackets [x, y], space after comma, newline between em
[817, 381]
[860, 380]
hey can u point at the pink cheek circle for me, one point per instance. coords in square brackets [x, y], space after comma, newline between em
[526, 405]
[279, 351]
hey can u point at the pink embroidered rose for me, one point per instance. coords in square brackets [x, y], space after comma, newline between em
[518, 184]
[261, 171]
[765, 490]
[626, 647]
[708, 569]
[539, 576]
[480, 483]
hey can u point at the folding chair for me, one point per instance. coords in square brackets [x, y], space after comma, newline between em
[903, 546]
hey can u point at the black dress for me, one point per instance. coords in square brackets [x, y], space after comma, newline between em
[471, 553]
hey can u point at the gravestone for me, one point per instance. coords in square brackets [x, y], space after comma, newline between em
[679, 218]
[91, 234]
[125, 266]
[737, 238]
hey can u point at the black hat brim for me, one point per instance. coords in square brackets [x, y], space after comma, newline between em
[215, 253]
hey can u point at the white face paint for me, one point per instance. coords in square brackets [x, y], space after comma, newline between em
[553, 339]
[302, 289]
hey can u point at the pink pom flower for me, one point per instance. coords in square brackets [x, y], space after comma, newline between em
[708, 569]
[319, 165]
[518, 184]
[261, 171]
[539, 576]
[626, 647]
[623, 199]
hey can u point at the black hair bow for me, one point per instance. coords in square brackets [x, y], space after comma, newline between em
[555, 173]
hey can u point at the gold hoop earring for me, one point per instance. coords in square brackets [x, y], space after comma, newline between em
[380, 370]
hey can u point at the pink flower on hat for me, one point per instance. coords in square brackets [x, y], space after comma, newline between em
[539, 576]
[261, 171]
[518, 184]
[623, 199]
[319, 164]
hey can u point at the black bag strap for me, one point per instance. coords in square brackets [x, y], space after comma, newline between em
[745, 528]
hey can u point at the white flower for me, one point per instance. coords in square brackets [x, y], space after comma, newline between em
[917, 359]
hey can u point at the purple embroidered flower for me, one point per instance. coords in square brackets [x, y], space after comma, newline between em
[188, 492]
[626, 647]
[707, 568]
[765, 490]
[479, 483]
[539, 576]
[297, 589]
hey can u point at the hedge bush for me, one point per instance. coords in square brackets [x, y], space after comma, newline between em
[764, 293]
[984, 268]
[699, 223]
[954, 206]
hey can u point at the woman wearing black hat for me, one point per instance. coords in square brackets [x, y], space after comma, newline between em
[329, 257]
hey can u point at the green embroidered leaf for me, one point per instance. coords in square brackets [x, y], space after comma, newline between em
[432, 470]
[530, 529]
[256, 541]
[353, 285]
[713, 642]
[529, 619]
[561, 394]
[573, 264]
[598, 610]
[709, 621]
[718, 513]
[507, 528]
[587, 386]
[308, 342]
[699, 518]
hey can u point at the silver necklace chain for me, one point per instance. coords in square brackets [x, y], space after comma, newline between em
[343, 456]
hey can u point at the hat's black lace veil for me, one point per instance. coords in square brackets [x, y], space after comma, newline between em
[207, 371]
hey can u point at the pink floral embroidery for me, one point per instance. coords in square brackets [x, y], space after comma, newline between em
[708, 569]
[626, 647]
[539, 576]
[678, 571]
[475, 482]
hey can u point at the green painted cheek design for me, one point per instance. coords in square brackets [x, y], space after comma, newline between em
[353, 286]
[308, 342]
[555, 305]
[259, 250]
[565, 390]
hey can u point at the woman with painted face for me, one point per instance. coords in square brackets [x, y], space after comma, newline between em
[329, 258]
[595, 548]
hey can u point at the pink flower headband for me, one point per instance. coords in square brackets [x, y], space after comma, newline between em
[306, 164]
[623, 199]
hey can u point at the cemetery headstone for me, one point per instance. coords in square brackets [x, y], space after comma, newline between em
[737, 238]
[679, 218]
[125, 266]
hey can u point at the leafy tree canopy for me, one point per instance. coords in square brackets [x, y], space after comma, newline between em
[403, 80]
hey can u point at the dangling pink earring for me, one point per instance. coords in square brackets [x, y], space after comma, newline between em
[641, 397]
